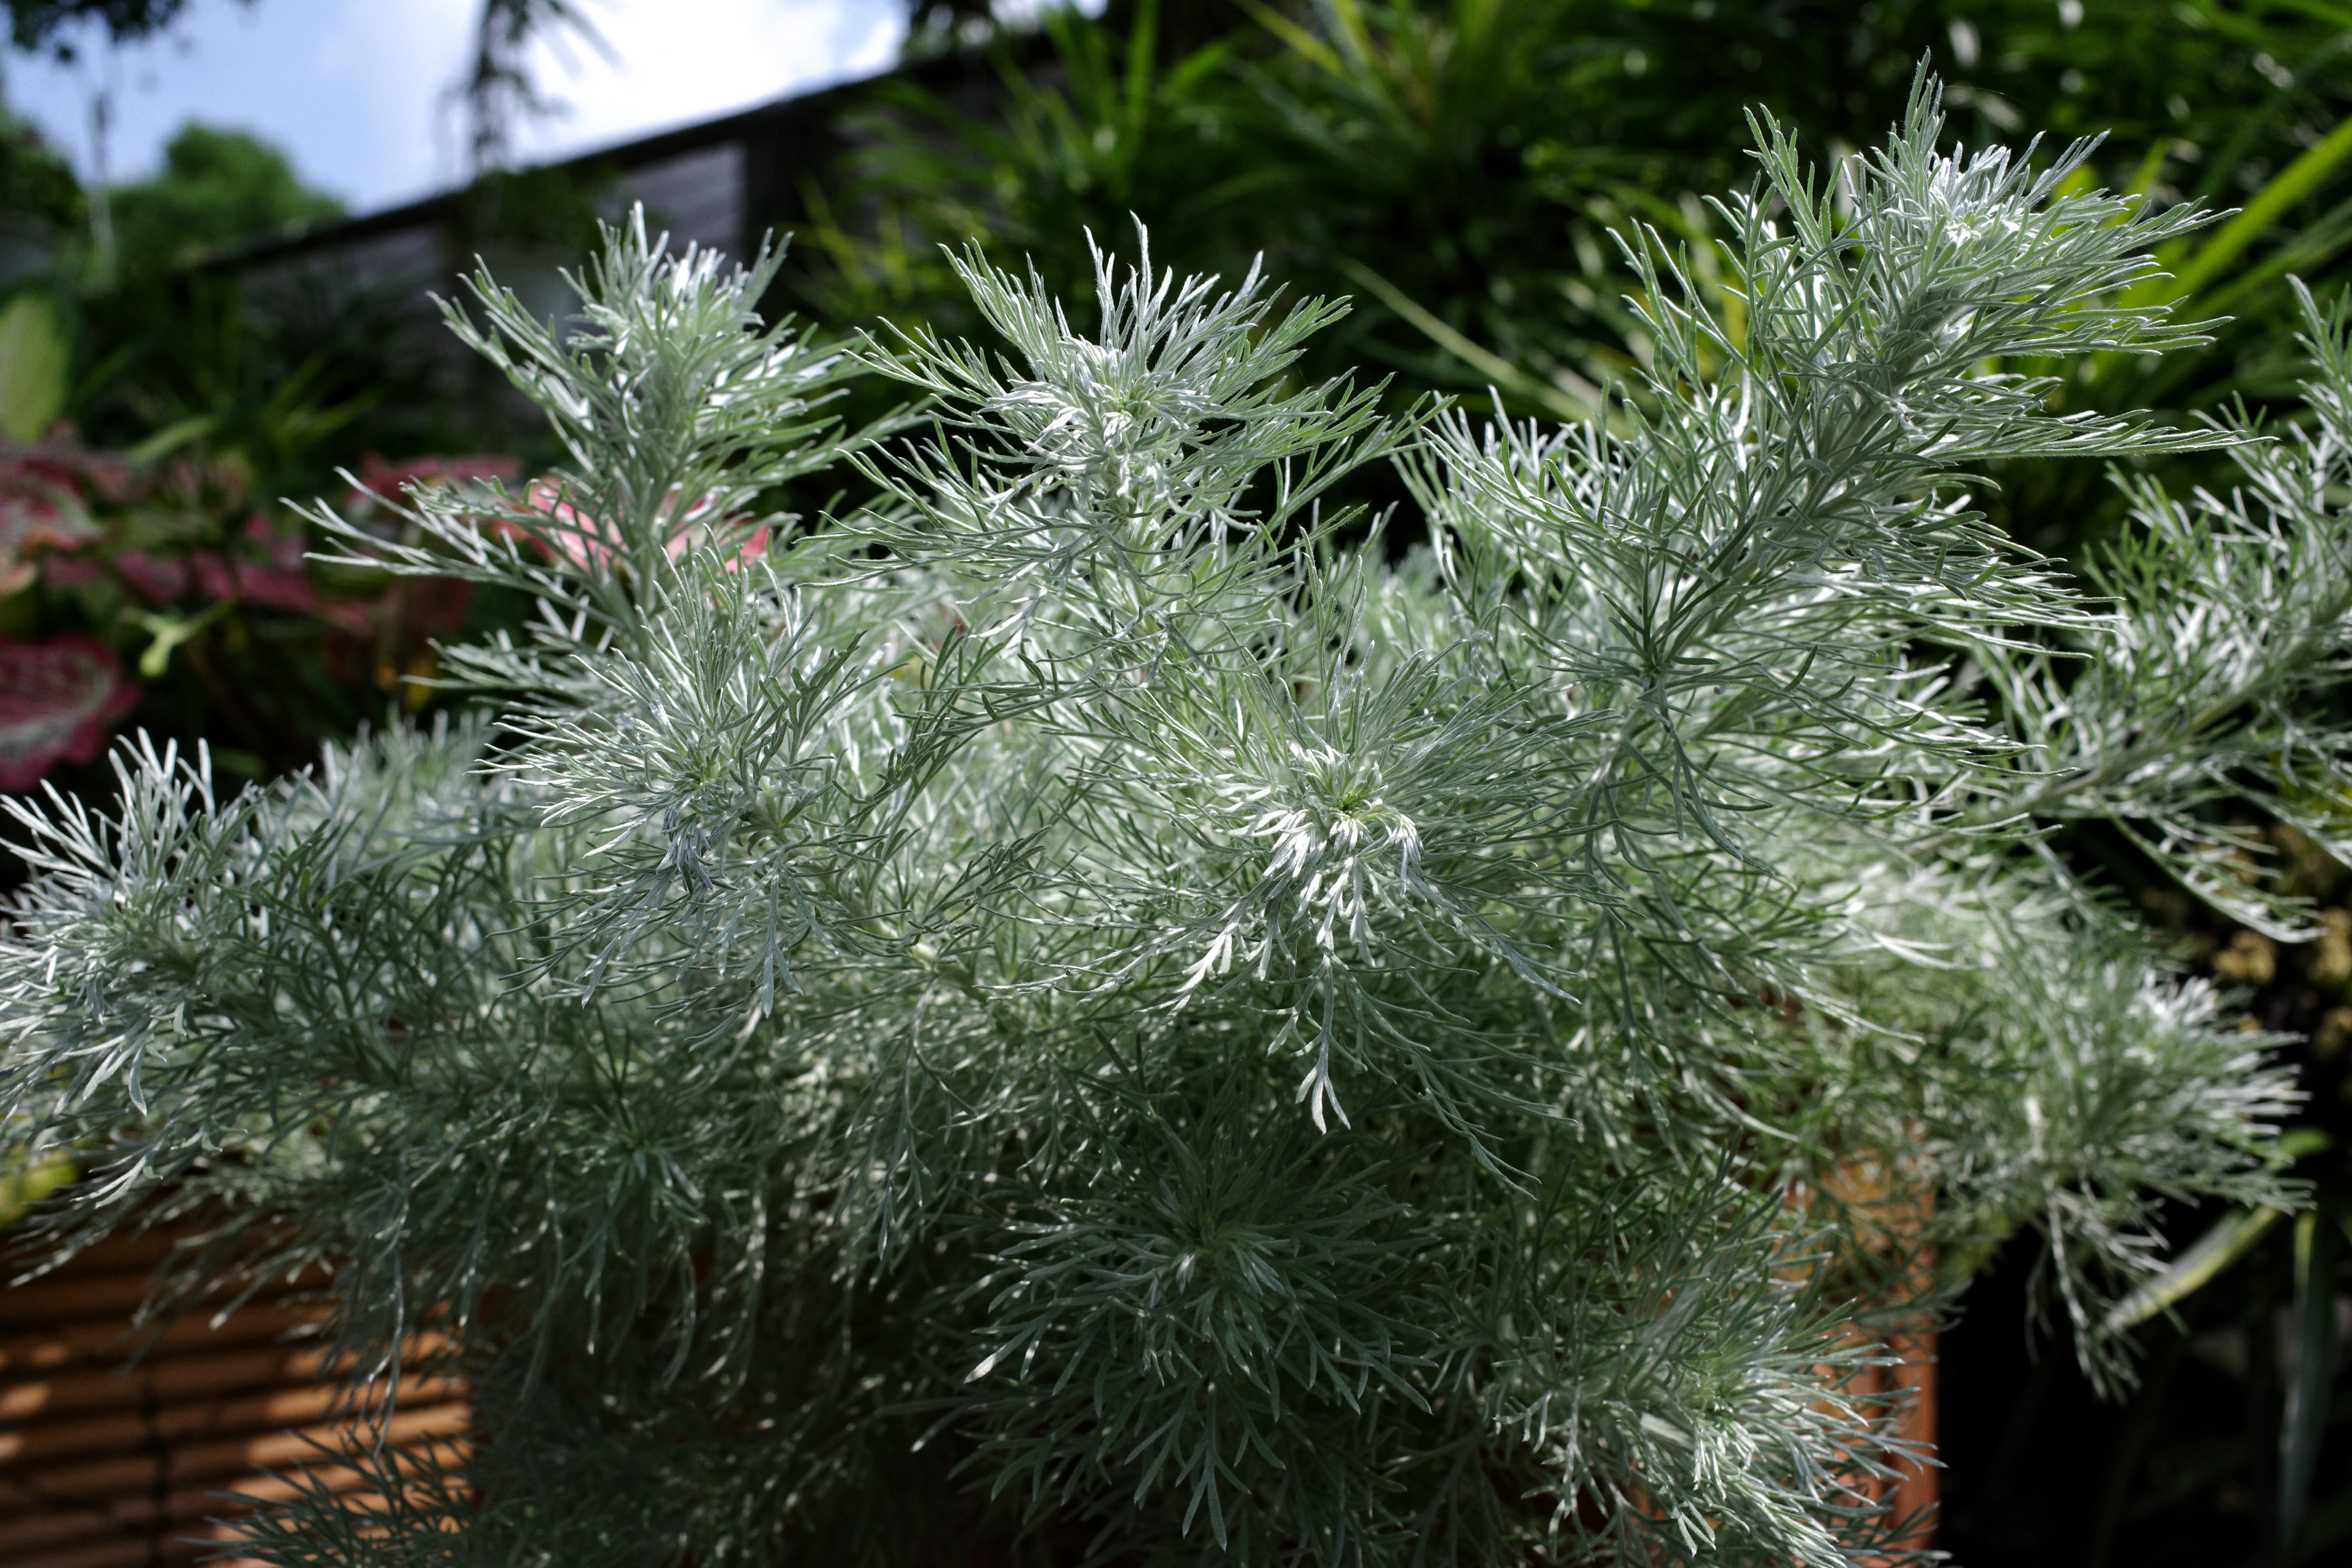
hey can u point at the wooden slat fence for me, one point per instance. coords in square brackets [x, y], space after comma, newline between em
[109, 1466]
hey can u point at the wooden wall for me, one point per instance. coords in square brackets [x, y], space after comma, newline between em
[107, 1467]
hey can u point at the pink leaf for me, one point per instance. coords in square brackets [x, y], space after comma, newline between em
[160, 578]
[388, 479]
[72, 572]
[36, 512]
[215, 580]
[68, 463]
[273, 590]
[580, 539]
[58, 699]
[283, 551]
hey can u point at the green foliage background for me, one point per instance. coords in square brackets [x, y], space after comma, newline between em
[1476, 154]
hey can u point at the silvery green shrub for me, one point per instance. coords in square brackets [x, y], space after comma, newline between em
[1081, 1004]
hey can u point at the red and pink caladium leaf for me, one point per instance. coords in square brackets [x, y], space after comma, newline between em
[159, 578]
[378, 478]
[59, 700]
[37, 507]
[275, 582]
[106, 476]
[37, 511]
[584, 541]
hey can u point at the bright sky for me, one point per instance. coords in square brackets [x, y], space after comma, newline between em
[355, 90]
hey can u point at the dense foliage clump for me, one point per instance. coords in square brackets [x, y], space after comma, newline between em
[1073, 1000]
[1462, 166]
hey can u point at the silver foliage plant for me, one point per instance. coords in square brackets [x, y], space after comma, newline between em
[1074, 1000]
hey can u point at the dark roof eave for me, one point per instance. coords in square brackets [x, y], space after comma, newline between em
[657, 148]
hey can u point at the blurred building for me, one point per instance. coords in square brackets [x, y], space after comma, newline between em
[722, 184]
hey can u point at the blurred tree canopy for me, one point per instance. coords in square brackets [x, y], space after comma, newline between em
[35, 182]
[50, 25]
[217, 185]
